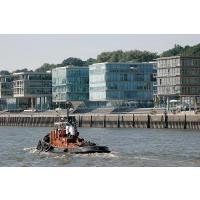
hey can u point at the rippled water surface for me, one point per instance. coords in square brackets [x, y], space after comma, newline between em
[130, 147]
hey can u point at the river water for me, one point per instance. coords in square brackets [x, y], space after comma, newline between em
[130, 148]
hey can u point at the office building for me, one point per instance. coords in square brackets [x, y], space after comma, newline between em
[178, 79]
[113, 84]
[70, 83]
[6, 86]
[6, 92]
[32, 90]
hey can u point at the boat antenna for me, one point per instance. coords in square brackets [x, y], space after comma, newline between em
[68, 106]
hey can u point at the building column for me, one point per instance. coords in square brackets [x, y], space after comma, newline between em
[40, 103]
[189, 103]
[195, 103]
[167, 103]
[32, 103]
[181, 102]
[44, 103]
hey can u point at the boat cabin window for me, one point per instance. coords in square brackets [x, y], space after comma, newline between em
[60, 125]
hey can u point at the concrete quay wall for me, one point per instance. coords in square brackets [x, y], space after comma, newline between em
[173, 121]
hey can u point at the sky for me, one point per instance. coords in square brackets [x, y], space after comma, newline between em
[31, 51]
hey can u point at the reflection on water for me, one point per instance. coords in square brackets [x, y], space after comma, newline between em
[130, 147]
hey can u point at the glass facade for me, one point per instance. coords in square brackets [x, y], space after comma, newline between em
[31, 84]
[121, 81]
[32, 90]
[70, 83]
[6, 86]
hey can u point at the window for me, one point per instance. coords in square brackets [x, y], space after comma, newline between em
[123, 77]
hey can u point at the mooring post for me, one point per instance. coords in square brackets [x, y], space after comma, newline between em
[185, 122]
[104, 121]
[133, 122]
[91, 121]
[166, 120]
[118, 122]
[148, 121]
[123, 123]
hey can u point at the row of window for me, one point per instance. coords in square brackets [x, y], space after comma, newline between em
[190, 62]
[129, 95]
[173, 62]
[168, 81]
[165, 90]
[168, 63]
[33, 91]
[32, 77]
[71, 88]
[40, 83]
[190, 90]
[168, 72]
[191, 81]
[190, 72]
[178, 90]
[123, 86]
[70, 96]
[78, 73]
[138, 95]
[76, 80]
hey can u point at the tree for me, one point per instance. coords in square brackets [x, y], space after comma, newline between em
[22, 70]
[46, 67]
[90, 61]
[73, 61]
[177, 50]
[127, 56]
[116, 56]
[182, 51]
[104, 57]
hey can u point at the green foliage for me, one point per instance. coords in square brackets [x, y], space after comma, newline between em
[182, 51]
[22, 70]
[73, 61]
[177, 50]
[69, 61]
[90, 61]
[191, 51]
[127, 56]
[45, 67]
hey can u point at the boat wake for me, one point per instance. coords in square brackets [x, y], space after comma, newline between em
[144, 158]
[31, 149]
[65, 158]
[97, 155]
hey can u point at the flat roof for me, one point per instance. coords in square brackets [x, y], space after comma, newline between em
[173, 57]
[71, 67]
[127, 63]
[19, 73]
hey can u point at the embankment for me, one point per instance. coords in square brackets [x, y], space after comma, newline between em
[174, 121]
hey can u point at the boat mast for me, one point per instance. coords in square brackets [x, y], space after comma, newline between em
[68, 106]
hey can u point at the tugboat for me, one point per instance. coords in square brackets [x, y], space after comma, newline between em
[65, 138]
